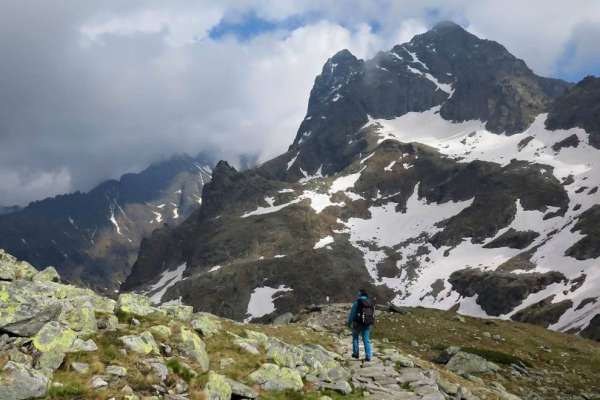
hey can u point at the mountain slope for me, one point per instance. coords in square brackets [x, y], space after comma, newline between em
[426, 174]
[93, 237]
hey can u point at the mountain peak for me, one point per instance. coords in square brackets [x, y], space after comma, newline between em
[446, 25]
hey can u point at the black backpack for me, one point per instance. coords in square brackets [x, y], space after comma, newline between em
[365, 314]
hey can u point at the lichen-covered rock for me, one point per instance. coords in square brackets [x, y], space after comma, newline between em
[23, 309]
[54, 337]
[272, 377]
[79, 315]
[50, 361]
[217, 387]
[137, 305]
[283, 354]
[178, 311]
[83, 345]
[143, 343]
[161, 331]
[190, 345]
[19, 382]
[259, 337]
[49, 274]
[207, 324]
[12, 269]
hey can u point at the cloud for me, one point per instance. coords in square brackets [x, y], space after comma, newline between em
[91, 90]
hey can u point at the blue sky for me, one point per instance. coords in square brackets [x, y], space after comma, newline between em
[92, 90]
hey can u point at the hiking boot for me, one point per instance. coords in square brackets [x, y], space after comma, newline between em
[355, 356]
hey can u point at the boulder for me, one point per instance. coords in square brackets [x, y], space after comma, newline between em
[161, 331]
[143, 343]
[53, 337]
[207, 324]
[98, 382]
[217, 387]
[284, 319]
[24, 312]
[239, 390]
[19, 382]
[191, 346]
[178, 311]
[137, 305]
[466, 363]
[80, 367]
[50, 361]
[83, 345]
[12, 269]
[272, 377]
[78, 314]
[49, 274]
[116, 370]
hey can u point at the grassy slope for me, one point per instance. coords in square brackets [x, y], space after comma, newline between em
[568, 361]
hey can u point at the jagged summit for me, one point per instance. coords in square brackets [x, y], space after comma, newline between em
[468, 78]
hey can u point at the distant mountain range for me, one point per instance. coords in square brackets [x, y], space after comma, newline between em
[93, 238]
[442, 173]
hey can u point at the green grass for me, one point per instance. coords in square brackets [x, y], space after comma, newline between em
[179, 369]
[68, 391]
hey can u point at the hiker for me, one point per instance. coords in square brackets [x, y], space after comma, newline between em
[361, 319]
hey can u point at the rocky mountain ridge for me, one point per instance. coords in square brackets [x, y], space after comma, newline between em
[93, 238]
[430, 175]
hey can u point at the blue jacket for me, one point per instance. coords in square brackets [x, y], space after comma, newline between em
[354, 309]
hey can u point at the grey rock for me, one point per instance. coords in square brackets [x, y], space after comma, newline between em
[98, 382]
[80, 367]
[342, 387]
[284, 319]
[116, 370]
[466, 363]
[19, 382]
[240, 390]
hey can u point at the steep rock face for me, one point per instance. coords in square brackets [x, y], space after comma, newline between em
[470, 78]
[395, 185]
[579, 107]
[94, 237]
[499, 292]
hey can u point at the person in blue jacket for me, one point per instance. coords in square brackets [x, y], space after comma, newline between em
[360, 320]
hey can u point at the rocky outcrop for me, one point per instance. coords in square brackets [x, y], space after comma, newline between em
[588, 224]
[579, 107]
[500, 292]
[544, 312]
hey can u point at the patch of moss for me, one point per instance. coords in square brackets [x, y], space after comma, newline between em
[496, 356]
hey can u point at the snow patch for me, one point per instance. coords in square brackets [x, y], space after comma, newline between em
[167, 279]
[327, 240]
[262, 301]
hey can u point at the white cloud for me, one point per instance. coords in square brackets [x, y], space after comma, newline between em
[98, 89]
